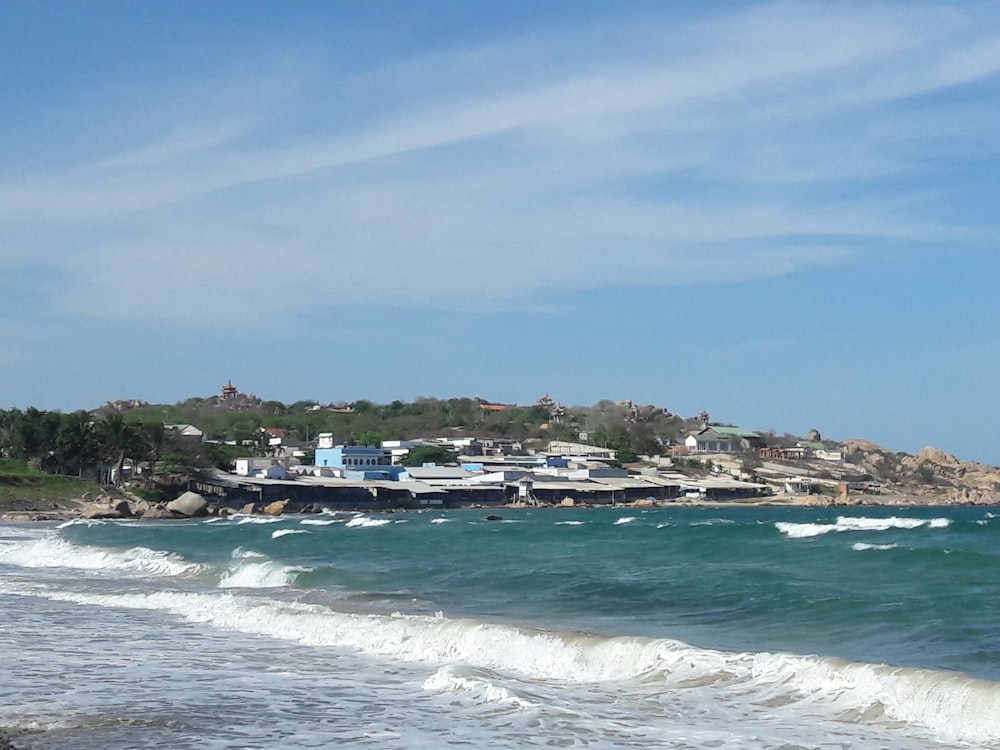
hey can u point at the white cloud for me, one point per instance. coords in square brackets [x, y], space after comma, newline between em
[726, 149]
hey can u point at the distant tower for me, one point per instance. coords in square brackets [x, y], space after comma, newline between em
[229, 390]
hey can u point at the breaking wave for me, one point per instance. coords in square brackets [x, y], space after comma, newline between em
[53, 552]
[465, 653]
[252, 570]
[848, 523]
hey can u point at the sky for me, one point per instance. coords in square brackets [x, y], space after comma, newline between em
[785, 213]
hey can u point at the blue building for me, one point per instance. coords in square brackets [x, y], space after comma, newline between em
[352, 457]
[356, 461]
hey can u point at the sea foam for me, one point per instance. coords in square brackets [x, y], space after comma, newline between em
[277, 534]
[252, 570]
[477, 685]
[849, 523]
[365, 522]
[953, 706]
[463, 653]
[53, 552]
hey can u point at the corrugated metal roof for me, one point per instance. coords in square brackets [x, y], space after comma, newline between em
[663, 481]
[578, 486]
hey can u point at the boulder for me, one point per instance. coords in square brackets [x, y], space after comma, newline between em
[249, 509]
[155, 512]
[189, 505]
[276, 508]
[122, 507]
[100, 510]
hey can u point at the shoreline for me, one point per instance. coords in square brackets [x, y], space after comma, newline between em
[59, 513]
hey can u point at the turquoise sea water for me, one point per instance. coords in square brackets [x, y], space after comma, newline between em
[681, 627]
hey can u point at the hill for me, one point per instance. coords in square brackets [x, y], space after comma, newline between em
[240, 424]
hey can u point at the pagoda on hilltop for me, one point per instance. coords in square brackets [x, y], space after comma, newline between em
[229, 390]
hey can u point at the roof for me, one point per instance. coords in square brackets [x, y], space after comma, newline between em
[438, 472]
[734, 432]
[709, 433]
[184, 429]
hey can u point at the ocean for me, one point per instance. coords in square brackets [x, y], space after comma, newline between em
[679, 627]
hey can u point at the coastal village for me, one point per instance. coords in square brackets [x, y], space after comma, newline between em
[487, 472]
[278, 469]
[713, 463]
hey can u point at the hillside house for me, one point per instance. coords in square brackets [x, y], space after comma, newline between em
[708, 440]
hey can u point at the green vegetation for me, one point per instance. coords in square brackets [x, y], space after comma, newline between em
[24, 487]
[429, 454]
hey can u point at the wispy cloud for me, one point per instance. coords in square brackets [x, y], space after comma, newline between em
[720, 149]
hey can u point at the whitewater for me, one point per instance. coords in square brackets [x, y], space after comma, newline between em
[679, 627]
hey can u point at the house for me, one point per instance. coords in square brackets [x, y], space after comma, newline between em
[719, 439]
[356, 461]
[260, 466]
[707, 440]
[353, 456]
[825, 455]
[188, 433]
[743, 440]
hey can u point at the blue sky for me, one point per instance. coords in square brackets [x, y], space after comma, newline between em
[782, 213]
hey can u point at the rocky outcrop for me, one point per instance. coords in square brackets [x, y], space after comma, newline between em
[932, 473]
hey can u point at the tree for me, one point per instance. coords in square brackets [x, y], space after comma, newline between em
[429, 454]
[118, 440]
[750, 461]
[366, 437]
[150, 438]
[76, 443]
[27, 434]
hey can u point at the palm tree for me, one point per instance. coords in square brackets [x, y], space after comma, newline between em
[118, 440]
[27, 434]
[151, 437]
[76, 443]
